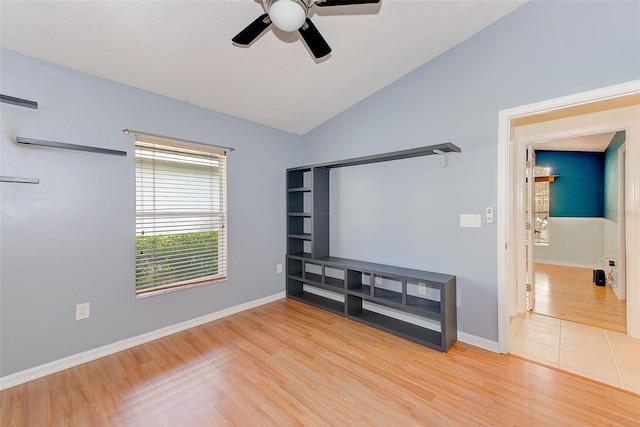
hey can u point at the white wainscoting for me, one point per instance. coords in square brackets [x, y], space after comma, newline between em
[574, 242]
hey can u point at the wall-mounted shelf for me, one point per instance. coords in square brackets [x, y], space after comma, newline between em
[546, 178]
[429, 150]
[65, 146]
[362, 290]
[19, 180]
[20, 102]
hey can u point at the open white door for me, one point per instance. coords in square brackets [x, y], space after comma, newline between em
[530, 227]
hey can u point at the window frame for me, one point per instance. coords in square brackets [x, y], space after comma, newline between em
[168, 212]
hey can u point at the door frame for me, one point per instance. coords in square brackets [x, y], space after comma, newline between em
[509, 203]
[621, 266]
[529, 225]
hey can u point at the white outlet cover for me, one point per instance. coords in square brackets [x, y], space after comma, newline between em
[489, 215]
[82, 311]
[422, 288]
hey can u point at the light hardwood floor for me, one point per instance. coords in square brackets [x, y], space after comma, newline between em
[286, 363]
[569, 293]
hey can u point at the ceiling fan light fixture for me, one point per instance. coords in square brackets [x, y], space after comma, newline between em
[287, 15]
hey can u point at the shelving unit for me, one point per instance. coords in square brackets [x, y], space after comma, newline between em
[362, 291]
[308, 211]
[423, 294]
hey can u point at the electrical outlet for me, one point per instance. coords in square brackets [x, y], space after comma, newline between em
[422, 288]
[279, 268]
[489, 215]
[82, 311]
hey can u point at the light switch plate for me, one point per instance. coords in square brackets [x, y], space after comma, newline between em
[470, 220]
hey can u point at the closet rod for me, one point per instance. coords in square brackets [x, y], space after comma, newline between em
[19, 180]
[18, 101]
[171, 138]
[42, 143]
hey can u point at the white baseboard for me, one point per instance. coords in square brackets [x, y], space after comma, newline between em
[480, 342]
[569, 264]
[96, 353]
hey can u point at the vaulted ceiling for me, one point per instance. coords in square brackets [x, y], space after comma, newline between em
[183, 49]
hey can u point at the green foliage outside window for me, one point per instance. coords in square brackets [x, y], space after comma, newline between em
[173, 258]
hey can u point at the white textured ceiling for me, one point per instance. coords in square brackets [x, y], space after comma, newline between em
[598, 143]
[183, 49]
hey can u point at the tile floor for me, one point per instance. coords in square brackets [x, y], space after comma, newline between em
[606, 356]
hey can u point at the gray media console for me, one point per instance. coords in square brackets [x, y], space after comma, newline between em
[414, 304]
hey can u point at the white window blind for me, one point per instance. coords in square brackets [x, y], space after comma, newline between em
[181, 236]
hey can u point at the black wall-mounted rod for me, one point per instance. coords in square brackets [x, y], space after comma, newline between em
[173, 138]
[18, 101]
[42, 143]
[19, 180]
[438, 149]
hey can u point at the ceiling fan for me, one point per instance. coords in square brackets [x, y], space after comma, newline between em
[292, 15]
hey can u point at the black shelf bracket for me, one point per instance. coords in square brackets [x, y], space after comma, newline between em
[18, 101]
[53, 144]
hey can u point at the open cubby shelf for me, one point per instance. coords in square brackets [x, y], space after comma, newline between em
[301, 236]
[333, 282]
[361, 290]
[300, 255]
[328, 304]
[406, 330]
[362, 284]
[311, 277]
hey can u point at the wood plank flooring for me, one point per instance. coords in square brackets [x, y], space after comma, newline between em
[569, 293]
[289, 364]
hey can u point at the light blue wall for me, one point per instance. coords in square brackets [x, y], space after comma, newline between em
[70, 239]
[542, 50]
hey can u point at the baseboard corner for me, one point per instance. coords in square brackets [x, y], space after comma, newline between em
[480, 342]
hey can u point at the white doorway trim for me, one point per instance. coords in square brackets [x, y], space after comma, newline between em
[621, 283]
[506, 209]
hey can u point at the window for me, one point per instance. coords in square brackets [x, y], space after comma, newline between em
[180, 215]
[541, 206]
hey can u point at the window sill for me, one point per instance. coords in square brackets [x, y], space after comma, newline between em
[165, 290]
[542, 244]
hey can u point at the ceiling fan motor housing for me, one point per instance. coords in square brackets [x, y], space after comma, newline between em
[287, 15]
[292, 15]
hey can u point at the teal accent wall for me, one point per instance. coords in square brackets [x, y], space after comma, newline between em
[611, 173]
[579, 189]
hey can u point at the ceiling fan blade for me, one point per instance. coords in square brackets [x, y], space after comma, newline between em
[314, 39]
[253, 30]
[326, 3]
